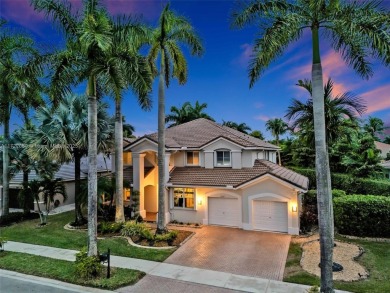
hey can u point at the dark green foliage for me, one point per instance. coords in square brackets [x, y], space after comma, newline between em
[363, 215]
[309, 214]
[350, 184]
[87, 267]
[132, 228]
[338, 193]
[109, 227]
[12, 218]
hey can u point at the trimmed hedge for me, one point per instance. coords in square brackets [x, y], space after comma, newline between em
[362, 215]
[348, 183]
[17, 217]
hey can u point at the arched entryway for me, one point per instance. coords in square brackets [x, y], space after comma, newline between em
[151, 202]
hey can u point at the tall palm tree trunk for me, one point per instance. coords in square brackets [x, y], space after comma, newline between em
[92, 167]
[5, 193]
[277, 143]
[26, 198]
[79, 219]
[161, 148]
[324, 195]
[119, 212]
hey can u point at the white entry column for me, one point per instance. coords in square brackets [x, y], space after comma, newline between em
[138, 180]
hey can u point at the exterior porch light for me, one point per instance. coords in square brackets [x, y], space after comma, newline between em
[294, 208]
[200, 201]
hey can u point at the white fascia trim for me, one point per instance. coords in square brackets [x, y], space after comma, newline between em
[224, 139]
[201, 186]
[130, 146]
[269, 176]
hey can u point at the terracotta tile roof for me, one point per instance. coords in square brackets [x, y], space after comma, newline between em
[198, 176]
[199, 132]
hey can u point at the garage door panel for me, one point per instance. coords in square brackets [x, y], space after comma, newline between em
[270, 216]
[223, 211]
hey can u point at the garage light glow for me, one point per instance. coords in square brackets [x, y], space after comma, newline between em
[294, 208]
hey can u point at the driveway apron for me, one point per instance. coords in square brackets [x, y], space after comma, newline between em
[236, 251]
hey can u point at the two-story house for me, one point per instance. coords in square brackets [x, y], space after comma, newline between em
[216, 176]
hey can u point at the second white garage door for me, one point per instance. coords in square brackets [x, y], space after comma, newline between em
[270, 216]
[224, 211]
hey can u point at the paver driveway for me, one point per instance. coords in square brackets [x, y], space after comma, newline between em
[248, 253]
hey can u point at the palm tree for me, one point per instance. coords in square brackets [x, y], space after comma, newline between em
[65, 127]
[374, 126]
[132, 71]
[257, 133]
[356, 30]
[242, 127]
[187, 113]
[172, 31]
[277, 127]
[19, 89]
[341, 113]
[89, 40]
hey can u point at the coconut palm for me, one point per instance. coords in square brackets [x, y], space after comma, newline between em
[356, 30]
[341, 113]
[257, 133]
[374, 126]
[242, 127]
[172, 31]
[277, 127]
[19, 89]
[187, 113]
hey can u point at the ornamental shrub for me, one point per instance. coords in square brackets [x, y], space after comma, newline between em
[362, 215]
[17, 217]
[350, 184]
[132, 228]
[109, 227]
[87, 267]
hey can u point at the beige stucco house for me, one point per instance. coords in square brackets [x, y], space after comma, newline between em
[216, 176]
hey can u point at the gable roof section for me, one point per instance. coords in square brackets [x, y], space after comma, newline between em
[222, 177]
[197, 133]
[383, 147]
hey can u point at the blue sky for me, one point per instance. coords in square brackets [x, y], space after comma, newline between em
[219, 78]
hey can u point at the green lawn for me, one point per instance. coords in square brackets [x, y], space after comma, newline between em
[55, 235]
[376, 260]
[64, 270]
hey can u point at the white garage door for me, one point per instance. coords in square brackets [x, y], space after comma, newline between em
[270, 216]
[224, 211]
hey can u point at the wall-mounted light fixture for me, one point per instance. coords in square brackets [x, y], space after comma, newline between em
[200, 201]
[294, 208]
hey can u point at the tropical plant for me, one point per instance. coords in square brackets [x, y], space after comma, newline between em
[257, 133]
[187, 113]
[375, 126]
[356, 30]
[242, 127]
[171, 31]
[277, 127]
[87, 57]
[341, 113]
[128, 129]
[19, 89]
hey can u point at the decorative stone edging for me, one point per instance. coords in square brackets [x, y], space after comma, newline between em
[185, 225]
[130, 241]
[374, 239]
[71, 228]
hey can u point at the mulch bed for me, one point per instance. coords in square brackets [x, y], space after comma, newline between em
[182, 236]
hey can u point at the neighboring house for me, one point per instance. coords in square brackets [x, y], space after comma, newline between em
[65, 173]
[383, 147]
[216, 176]
[386, 166]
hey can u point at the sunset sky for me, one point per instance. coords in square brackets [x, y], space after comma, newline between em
[219, 78]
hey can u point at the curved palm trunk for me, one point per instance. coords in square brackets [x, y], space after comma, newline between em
[277, 143]
[324, 193]
[92, 168]
[79, 218]
[5, 191]
[119, 212]
[25, 199]
[161, 148]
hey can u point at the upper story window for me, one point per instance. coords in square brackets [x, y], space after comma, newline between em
[127, 158]
[193, 158]
[223, 158]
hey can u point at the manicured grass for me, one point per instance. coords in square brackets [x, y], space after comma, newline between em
[65, 271]
[376, 260]
[55, 235]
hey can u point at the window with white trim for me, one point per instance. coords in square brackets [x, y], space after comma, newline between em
[192, 158]
[223, 158]
[184, 198]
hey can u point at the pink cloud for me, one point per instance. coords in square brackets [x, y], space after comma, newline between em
[245, 55]
[263, 117]
[377, 99]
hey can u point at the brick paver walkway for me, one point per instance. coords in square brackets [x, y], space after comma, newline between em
[247, 253]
